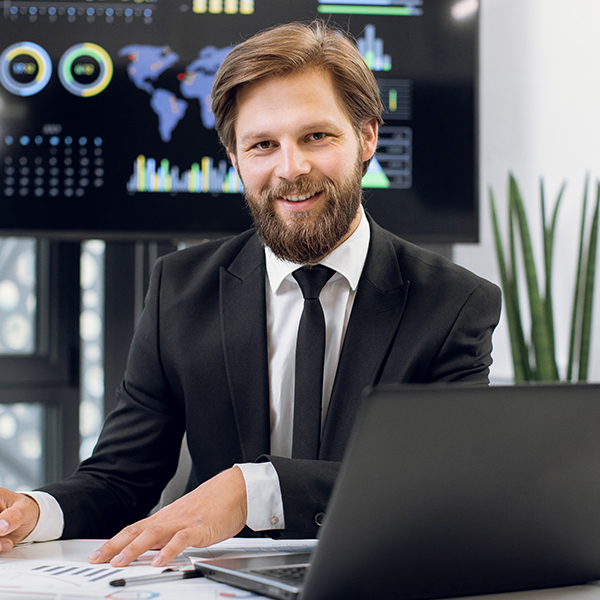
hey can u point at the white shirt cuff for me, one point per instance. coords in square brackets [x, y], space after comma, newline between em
[50, 525]
[263, 492]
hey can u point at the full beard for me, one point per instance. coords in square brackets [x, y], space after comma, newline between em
[309, 235]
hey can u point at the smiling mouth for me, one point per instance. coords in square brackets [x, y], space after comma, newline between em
[299, 197]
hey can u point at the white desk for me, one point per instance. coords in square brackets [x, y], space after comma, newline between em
[33, 572]
[42, 586]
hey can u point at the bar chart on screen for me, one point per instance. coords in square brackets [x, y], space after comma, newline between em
[204, 176]
[396, 8]
[371, 49]
[228, 7]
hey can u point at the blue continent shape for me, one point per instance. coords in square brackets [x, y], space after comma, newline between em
[170, 111]
[147, 63]
[199, 79]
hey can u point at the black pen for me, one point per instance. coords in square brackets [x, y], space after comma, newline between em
[166, 575]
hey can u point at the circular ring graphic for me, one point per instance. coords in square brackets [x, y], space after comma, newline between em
[25, 68]
[85, 70]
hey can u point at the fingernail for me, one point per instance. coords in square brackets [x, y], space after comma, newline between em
[4, 526]
[94, 555]
[117, 559]
[158, 561]
[6, 546]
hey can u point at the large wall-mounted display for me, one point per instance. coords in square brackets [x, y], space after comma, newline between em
[106, 127]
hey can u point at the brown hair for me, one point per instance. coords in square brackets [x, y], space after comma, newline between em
[288, 49]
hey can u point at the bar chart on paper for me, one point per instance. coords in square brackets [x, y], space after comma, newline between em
[51, 576]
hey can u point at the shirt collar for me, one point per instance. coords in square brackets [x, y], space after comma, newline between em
[348, 258]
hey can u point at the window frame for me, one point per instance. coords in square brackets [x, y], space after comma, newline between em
[50, 375]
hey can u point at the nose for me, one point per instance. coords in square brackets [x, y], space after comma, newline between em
[292, 162]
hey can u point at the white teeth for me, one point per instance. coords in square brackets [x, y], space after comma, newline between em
[298, 198]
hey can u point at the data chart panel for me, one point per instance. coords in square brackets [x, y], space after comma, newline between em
[106, 127]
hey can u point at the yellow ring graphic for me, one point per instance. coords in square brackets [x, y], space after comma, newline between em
[100, 55]
[41, 58]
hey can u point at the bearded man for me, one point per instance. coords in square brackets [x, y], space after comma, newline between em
[215, 352]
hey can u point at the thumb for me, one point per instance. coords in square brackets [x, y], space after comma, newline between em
[18, 520]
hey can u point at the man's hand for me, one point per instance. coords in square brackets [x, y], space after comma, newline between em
[213, 512]
[19, 515]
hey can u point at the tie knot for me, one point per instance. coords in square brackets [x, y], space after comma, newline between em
[312, 279]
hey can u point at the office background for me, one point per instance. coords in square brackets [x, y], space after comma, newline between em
[539, 87]
[539, 116]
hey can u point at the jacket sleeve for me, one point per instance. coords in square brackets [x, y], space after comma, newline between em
[306, 486]
[138, 448]
[465, 355]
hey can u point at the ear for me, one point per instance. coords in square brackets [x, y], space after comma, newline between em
[369, 134]
[233, 160]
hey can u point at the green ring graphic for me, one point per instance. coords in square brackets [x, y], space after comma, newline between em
[100, 55]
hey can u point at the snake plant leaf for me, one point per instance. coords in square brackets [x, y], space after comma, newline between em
[546, 369]
[549, 235]
[537, 360]
[517, 339]
[576, 310]
[588, 295]
[524, 348]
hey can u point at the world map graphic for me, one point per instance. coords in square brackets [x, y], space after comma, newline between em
[148, 63]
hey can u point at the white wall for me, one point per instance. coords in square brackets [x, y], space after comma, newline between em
[539, 117]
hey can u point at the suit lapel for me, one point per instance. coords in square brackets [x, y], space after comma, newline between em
[243, 313]
[376, 314]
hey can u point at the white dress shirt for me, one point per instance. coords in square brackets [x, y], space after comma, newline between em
[284, 308]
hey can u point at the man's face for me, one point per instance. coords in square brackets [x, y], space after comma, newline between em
[300, 161]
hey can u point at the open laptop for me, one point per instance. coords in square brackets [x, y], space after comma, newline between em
[452, 491]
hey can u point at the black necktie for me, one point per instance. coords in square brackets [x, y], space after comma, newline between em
[310, 356]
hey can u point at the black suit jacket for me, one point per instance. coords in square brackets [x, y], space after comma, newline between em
[198, 361]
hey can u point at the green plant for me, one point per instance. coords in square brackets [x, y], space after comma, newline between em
[534, 358]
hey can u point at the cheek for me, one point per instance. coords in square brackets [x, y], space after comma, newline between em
[254, 176]
[338, 166]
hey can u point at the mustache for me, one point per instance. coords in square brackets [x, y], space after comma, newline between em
[302, 187]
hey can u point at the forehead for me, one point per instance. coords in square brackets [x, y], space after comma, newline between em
[289, 100]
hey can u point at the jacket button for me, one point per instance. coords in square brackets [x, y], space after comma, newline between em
[319, 518]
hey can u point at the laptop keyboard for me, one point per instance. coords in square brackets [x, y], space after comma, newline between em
[286, 574]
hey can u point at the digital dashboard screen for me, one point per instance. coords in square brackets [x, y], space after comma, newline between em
[106, 127]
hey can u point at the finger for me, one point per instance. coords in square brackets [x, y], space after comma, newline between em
[6, 545]
[10, 520]
[115, 545]
[18, 520]
[179, 542]
[155, 535]
[4, 525]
